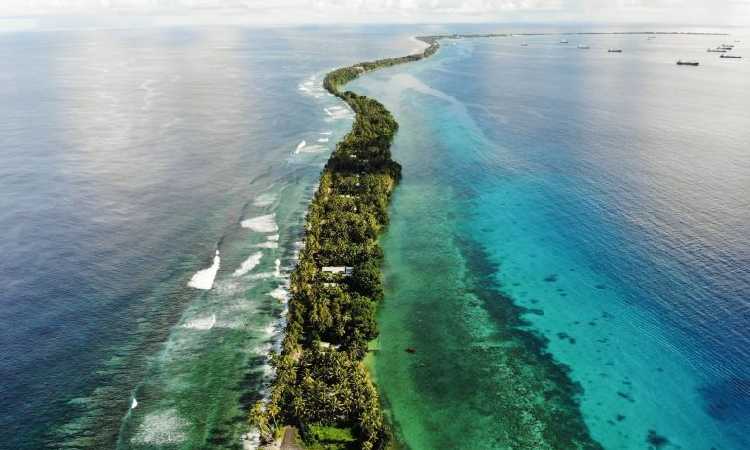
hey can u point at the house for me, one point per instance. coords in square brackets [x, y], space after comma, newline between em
[341, 270]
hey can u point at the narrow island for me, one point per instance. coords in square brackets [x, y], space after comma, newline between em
[321, 387]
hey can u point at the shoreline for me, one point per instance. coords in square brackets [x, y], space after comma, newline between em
[321, 386]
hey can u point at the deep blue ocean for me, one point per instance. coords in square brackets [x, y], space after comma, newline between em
[608, 195]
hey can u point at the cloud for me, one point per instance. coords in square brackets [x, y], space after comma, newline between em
[715, 12]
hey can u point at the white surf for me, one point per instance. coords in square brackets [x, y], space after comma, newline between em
[261, 224]
[204, 279]
[248, 264]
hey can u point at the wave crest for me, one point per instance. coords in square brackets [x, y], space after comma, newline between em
[204, 279]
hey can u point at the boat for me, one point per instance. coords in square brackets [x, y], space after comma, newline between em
[584, 47]
[524, 45]
[716, 50]
[687, 63]
[564, 41]
[726, 47]
[731, 56]
[615, 50]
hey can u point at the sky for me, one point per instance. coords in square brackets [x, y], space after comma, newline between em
[269, 12]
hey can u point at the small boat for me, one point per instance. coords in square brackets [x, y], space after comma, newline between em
[615, 50]
[716, 50]
[731, 56]
[524, 45]
[726, 47]
[688, 63]
[564, 41]
[584, 47]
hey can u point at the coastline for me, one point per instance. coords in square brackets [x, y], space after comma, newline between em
[321, 385]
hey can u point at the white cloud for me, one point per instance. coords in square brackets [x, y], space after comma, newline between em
[714, 12]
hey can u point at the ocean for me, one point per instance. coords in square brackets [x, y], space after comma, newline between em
[154, 183]
[570, 221]
[572, 230]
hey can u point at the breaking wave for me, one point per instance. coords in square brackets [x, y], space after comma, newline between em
[280, 293]
[248, 264]
[262, 224]
[204, 279]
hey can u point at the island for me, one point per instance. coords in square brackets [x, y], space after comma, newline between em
[321, 387]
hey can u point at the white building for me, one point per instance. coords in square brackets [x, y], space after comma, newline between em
[341, 270]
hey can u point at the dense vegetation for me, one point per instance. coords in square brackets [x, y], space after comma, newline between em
[321, 386]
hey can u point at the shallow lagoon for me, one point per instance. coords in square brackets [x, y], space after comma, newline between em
[604, 195]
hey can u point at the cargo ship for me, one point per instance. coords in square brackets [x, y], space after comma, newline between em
[688, 63]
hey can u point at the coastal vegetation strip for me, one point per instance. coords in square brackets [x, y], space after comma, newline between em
[321, 386]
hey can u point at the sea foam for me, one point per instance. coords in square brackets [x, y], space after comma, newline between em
[162, 428]
[203, 323]
[204, 279]
[262, 224]
[338, 112]
[316, 148]
[250, 440]
[248, 264]
[266, 199]
[280, 293]
[312, 87]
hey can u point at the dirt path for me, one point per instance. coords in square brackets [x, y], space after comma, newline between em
[289, 441]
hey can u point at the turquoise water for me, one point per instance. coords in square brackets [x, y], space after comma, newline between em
[569, 248]
[129, 157]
